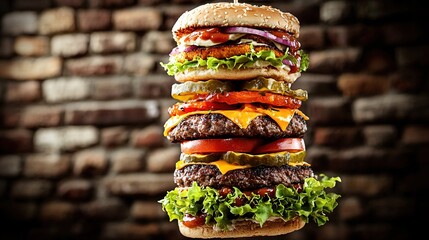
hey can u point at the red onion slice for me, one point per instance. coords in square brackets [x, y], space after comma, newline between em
[262, 33]
[182, 48]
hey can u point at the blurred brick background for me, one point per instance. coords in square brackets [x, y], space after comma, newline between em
[84, 99]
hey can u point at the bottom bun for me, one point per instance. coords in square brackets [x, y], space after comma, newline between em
[201, 74]
[244, 228]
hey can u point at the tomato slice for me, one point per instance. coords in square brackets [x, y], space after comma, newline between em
[215, 145]
[182, 108]
[255, 97]
[194, 221]
[283, 144]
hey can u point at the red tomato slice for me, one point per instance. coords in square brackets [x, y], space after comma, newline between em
[182, 108]
[255, 97]
[219, 145]
[283, 144]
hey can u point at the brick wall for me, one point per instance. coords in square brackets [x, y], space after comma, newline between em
[84, 100]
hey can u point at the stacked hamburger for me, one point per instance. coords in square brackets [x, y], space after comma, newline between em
[242, 171]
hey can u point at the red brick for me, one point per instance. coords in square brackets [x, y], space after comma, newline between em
[57, 211]
[104, 209]
[336, 12]
[31, 46]
[28, 91]
[41, 116]
[6, 47]
[66, 138]
[378, 61]
[139, 184]
[91, 162]
[366, 185]
[10, 166]
[17, 140]
[317, 84]
[163, 160]
[334, 60]
[351, 208]
[94, 65]
[30, 68]
[158, 42]
[66, 89]
[151, 136]
[31, 189]
[337, 136]
[380, 135]
[143, 210]
[110, 88]
[137, 19]
[112, 113]
[112, 42]
[311, 37]
[389, 108]
[415, 134]
[127, 160]
[154, 86]
[57, 20]
[138, 64]
[70, 45]
[10, 116]
[21, 22]
[75, 189]
[114, 136]
[326, 110]
[46, 165]
[407, 81]
[363, 84]
[90, 20]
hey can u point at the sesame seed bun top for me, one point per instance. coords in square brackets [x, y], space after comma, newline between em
[225, 14]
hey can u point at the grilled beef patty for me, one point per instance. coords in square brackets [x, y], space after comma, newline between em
[244, 179]
[216, 125]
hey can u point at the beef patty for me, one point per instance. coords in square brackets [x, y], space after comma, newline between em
[217, 125]
[244, 179]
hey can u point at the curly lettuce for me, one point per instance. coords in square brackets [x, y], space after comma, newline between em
[312, 203]
[235, 62]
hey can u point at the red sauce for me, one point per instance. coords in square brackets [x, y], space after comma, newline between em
[271, 192]
[295, 44]
[194, 221]
[212, 34]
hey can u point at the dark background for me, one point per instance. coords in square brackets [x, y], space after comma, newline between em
[84, 99]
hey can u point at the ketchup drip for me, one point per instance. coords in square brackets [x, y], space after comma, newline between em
[212, 34]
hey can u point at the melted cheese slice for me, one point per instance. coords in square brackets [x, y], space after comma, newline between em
[222, 165]
[225, 166]
[243, 117]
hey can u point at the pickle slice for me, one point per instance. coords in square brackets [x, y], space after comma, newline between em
[202, 158]
[187, 90]
[270, 85]
[271, 159]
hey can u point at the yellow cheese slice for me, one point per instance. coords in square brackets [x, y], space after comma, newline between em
[243, 117]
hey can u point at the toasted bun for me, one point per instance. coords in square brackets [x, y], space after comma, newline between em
[202, 74]
[244, 229]
[236, 14]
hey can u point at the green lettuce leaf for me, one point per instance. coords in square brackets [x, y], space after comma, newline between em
[235, 62]
[314, 202]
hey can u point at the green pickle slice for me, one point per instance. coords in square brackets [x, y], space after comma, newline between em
[270, 85]
[187, 90]
[268, 159]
